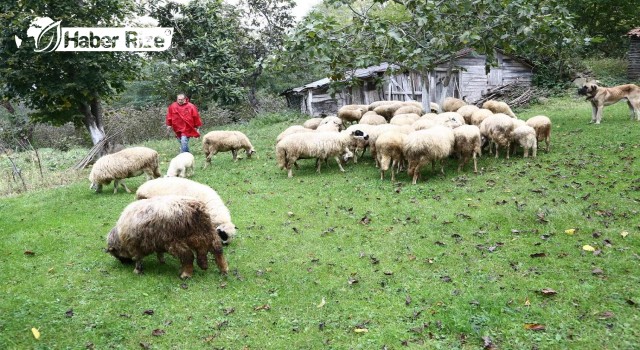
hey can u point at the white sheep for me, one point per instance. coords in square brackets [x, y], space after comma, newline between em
[218, 211]
[377, 130]
[181, 165]
[478, 116]
[320, 145]
[542, 126]
[466, 111]
[428, 145]
[389, 152]
[376, 104]
[312, 123]
[352, 113]
[178, 225]
[404, 119]
[525, 136]
[435, 108]
[498, 107]
[224, 141]
[127, 163]
[372, 118]
[452, 104]
[332, 123]
[468, 144]
[498, 128]
[408, 109]
[387, 110]
[423, 123]
[292, 130]
[359, 144]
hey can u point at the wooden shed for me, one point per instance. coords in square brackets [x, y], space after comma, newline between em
[469, 80]
[633, 69]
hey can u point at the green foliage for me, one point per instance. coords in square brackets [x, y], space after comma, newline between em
[609, 71]
[444, 264]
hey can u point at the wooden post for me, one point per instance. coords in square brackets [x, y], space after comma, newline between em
[310, 102]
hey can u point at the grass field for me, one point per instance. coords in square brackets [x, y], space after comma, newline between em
[347, 261]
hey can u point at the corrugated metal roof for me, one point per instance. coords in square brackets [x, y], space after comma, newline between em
[634, 32]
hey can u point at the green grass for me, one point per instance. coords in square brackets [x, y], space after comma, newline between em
[438, 265]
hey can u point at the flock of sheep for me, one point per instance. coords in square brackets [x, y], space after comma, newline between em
[179, 216]
[400, 135]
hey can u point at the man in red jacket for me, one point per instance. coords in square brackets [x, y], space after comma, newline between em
[183, 118]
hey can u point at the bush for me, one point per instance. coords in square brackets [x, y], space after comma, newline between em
[610, 71]
[63, 138]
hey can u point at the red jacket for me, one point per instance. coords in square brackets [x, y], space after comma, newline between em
[184, 119]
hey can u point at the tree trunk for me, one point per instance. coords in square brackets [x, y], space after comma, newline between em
[253, 83]
[92, 120]
[7, 104]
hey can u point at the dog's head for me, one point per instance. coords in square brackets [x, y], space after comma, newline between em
[588, 89]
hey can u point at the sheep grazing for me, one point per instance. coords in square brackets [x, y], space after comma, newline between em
[498, 128]
[372, 118]
[127, 163]
[312, 123]
[423, 123]
[404, 119]
[478, 116]
[175, 224]
[352, 113]
[376, 104]
[379, 130]
[292, 130]
[468, 143]
[452, 104]
[359, 144]
[320, 144]
[218, 212]
[466, 111]
[332, 123]
[387, 110]
[498, 107]
[525, 136]
[224, 141]
[408, 109]
[542, 126]
[181, 165]
[389, 148]
[429, 145]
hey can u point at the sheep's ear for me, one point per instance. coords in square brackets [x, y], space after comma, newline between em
[223, 235]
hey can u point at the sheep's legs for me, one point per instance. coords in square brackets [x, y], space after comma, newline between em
[221, 262]
[234, 153]
[339, 164]
[138, 268]
[160, 256]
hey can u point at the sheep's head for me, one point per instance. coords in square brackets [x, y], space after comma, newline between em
[226, 232]
[347, 155]
[96, 187]
[359, 134]
[250, 152]
[113, 247]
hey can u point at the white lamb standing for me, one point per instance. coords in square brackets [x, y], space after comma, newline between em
[352, 113]
[218, 211]
[319, 144]
[498, 128]
[181, 165]
[224, 141]
[468, 144]
[389, 152]
[542, 125]
[525, 136]
[428, 146]
[127, 163]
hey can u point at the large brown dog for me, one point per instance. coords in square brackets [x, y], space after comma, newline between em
[602, 96]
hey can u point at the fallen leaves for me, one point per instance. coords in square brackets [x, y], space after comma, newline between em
[624, 234]
[36, 333]
[548, 292]
[29, 253]
[588, 248]
[534, 327]
[322, 303]
[570, 231]
[265, 307]
[158, 332]
[538, 255]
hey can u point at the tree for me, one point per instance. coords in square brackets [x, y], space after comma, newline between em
[416, 34]
[64, 86]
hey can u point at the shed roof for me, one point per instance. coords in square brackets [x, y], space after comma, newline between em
[634, 32]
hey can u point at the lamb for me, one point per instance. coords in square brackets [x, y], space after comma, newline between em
[478, 116]
[429, 145]
[181, 165]
[404, 119]
[408, 109]
[312, 123]
[320, 144]
[352, 113]
[217, 210]
[466, 111]
[498, 107]
[452, 104]
[389, 146]
[372, 118]
[498, 129]
[525, 136]
[468, 143]
[178, 225]
[292, 130]
[127, 163]
[224, 141]
[334, 123]
[542, 126]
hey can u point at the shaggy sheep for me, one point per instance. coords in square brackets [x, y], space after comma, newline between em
[378, 130]
[312, 123]
[224, 141]
[423, 123]
[376, 104]
[175, 224]
[352, 113]
[292, 130]
[389, 147]
[127, 163]
[468, 143]
[448, 119]
[542, 126]
[181, 165]
[498, 128]
[372, 118]
[478, 116]
[429, 145]
[404, 119]
[218, 212]
[333, 122]
[359, 144]
[466, 111]
[387, 110]
[320, 144]
[452, 104]
[408, 109]
[525, 136]
[498, 107]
